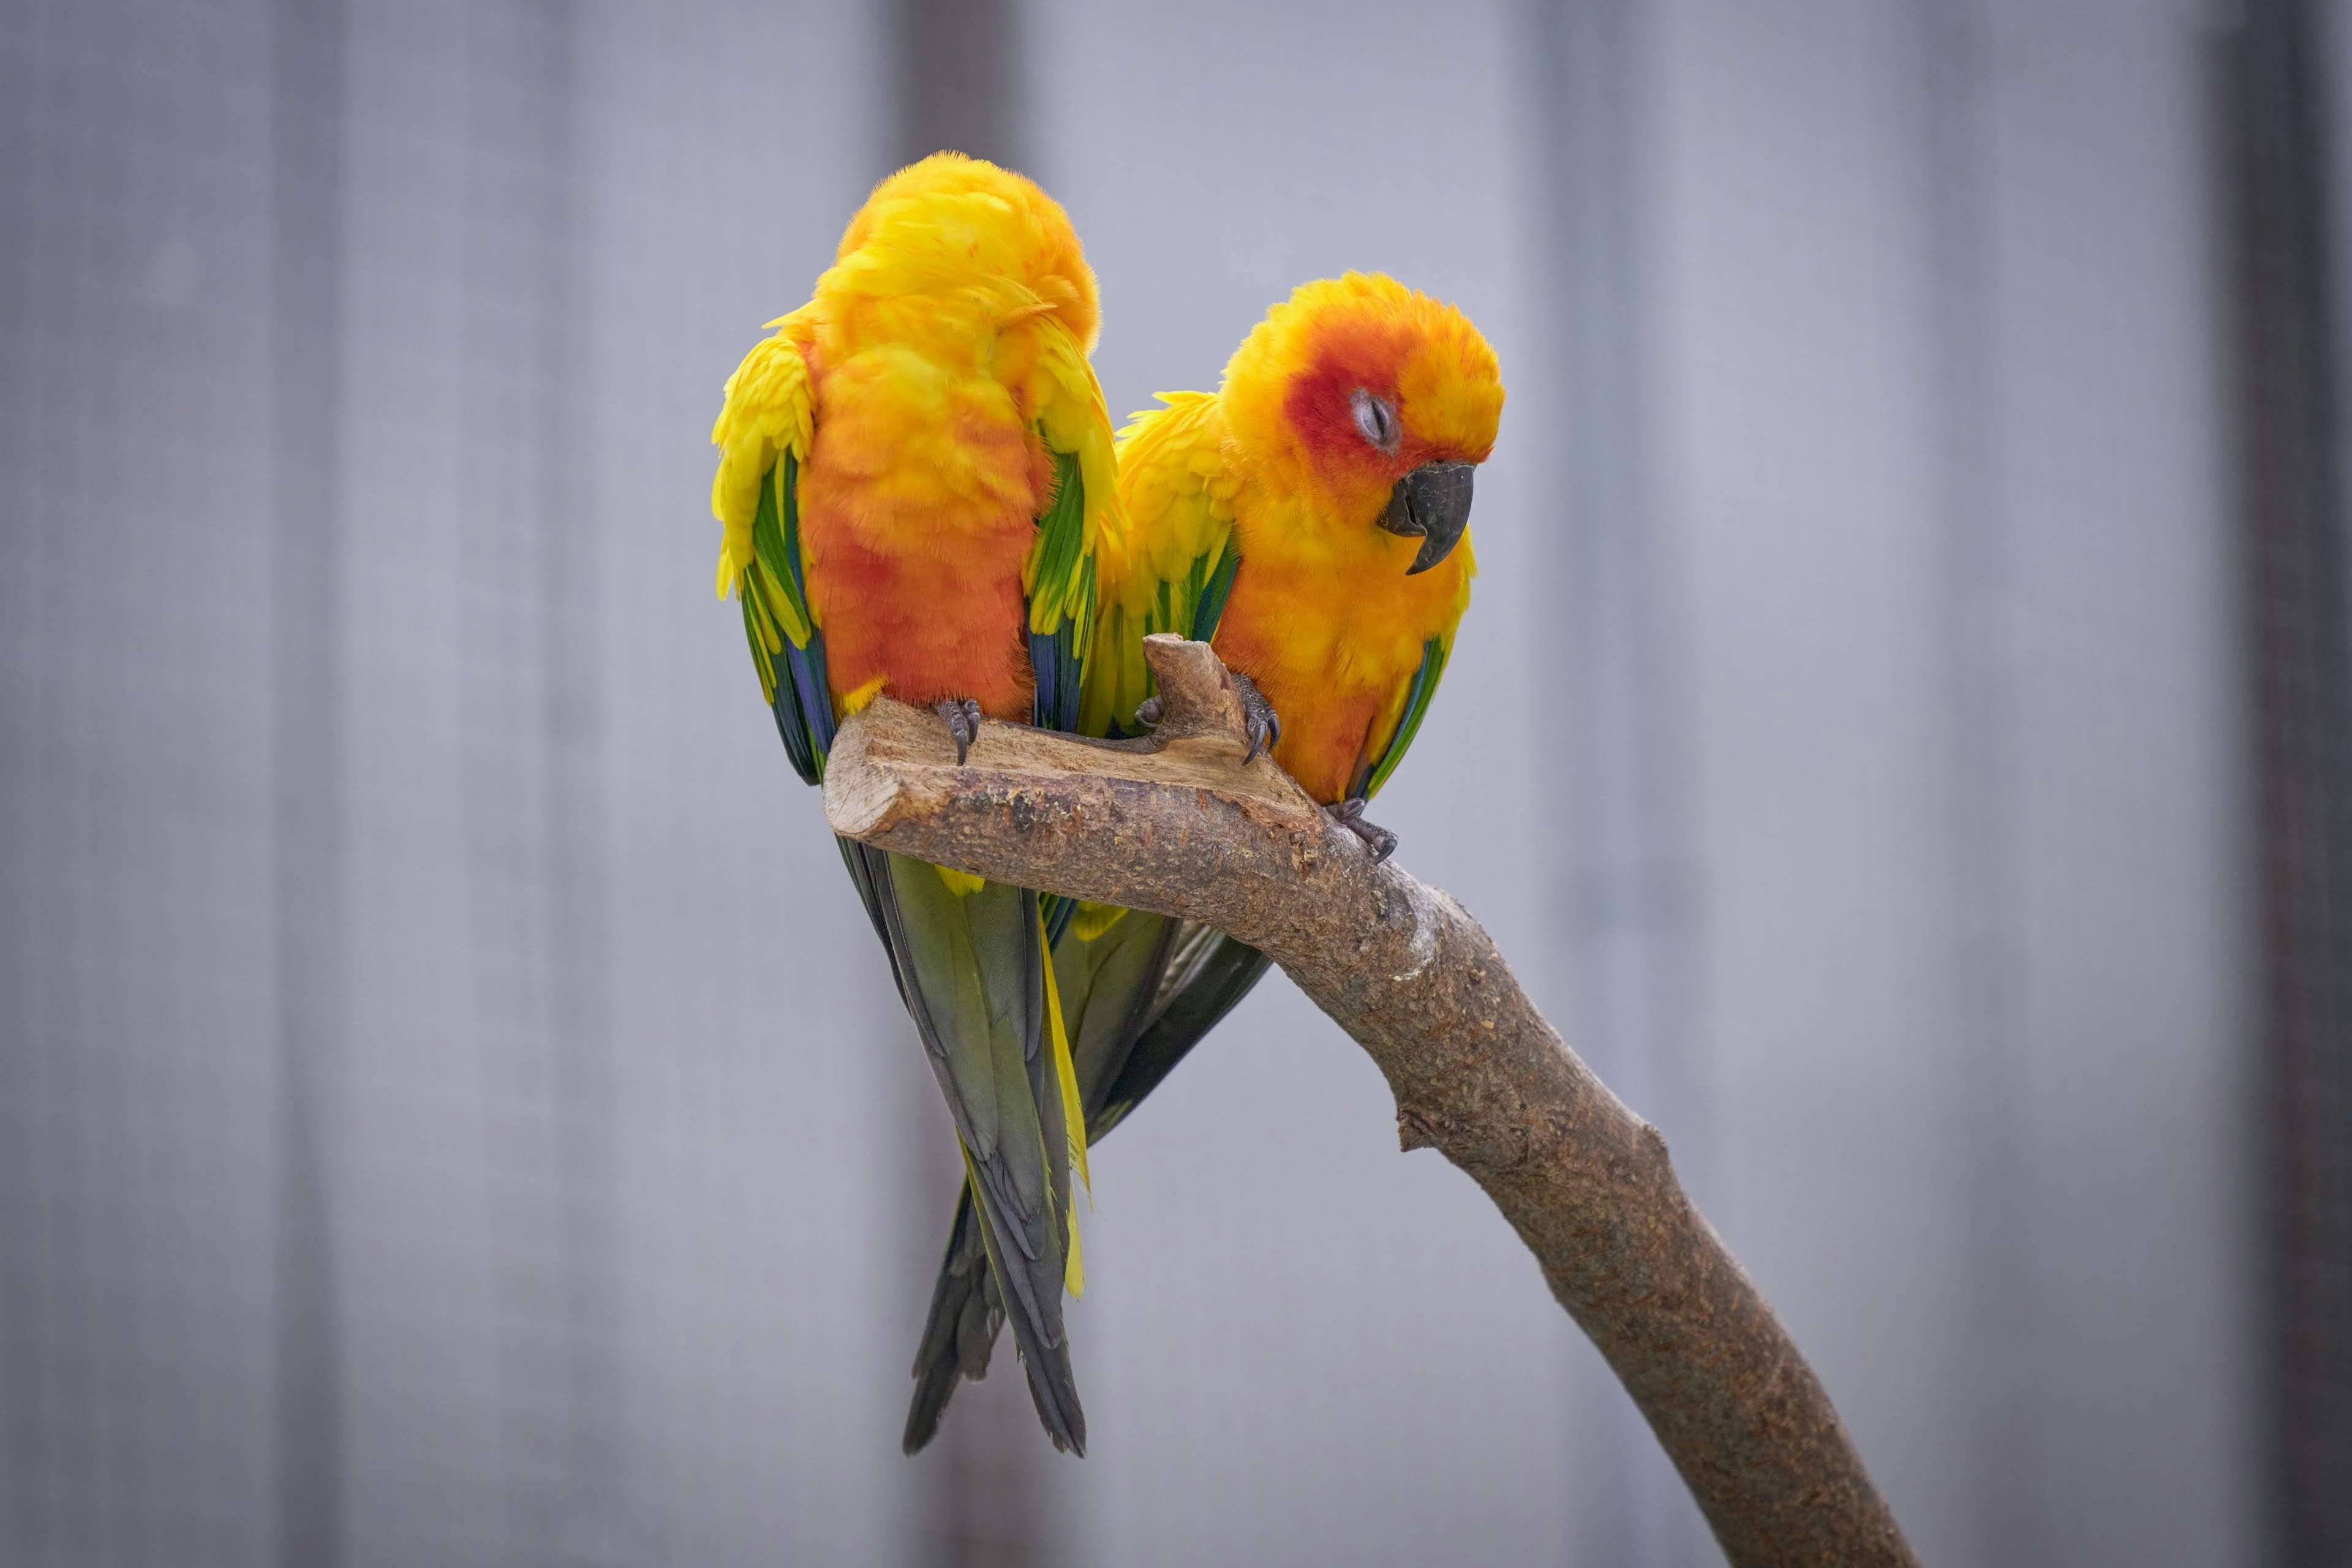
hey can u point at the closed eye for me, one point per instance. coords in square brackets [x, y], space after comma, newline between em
[1376, 418]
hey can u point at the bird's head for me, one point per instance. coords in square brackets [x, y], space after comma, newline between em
[1379, 399]
[949, 222]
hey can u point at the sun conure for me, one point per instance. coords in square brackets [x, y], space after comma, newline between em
[917, 470]
[1311, 521]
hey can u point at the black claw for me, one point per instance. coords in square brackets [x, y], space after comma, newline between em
[1349, 815]
[963, 715]
[1265, 725]
[1148, 712]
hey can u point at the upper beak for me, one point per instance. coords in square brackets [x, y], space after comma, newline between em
[1433, 503]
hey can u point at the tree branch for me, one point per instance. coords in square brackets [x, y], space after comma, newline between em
[1176, 824]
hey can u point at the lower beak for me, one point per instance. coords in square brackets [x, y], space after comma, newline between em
[1432, 504]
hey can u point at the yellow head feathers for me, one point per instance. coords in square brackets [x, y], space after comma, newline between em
[954, 273]
[951, 222]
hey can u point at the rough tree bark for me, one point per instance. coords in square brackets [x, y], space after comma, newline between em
[1177, 823]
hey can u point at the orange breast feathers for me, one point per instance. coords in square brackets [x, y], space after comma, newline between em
[1332, 630]
[918, 508]
[1344, 391]
[930, 346]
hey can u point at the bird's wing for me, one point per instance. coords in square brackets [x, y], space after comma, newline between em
[764, 433]
[1170, 566]
[1392, 735]
[1059, 576]
[1158, 984]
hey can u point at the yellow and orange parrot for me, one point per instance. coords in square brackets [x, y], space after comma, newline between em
[1311, 521]
[916, 469]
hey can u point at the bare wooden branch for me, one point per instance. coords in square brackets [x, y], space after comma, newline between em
[1176, 824]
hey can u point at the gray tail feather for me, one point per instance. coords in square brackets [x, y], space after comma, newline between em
[960, 1331]
[1210, 973]
[1030, 1295]
[1052, 1385]
[1207, 974]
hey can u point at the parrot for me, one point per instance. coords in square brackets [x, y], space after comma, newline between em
[917, 469]
[1309, 521]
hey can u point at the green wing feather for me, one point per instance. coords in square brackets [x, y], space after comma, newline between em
[1417, 697]
[1061, 600]
[1180, 553]
[786, 648]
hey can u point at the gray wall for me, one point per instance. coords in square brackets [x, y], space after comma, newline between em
[451, 1110]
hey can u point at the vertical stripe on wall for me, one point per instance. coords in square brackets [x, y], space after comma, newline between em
[1616, 741]
[306, 302]
[2291, 498]
[986, 1498]
[533, 794]
[1979, 658]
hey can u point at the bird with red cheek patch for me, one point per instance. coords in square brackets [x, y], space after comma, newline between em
[1311, 521]
[1324, 494]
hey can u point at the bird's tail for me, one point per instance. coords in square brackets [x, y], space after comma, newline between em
[1137, 995]
[971, 961]
[960, 1331]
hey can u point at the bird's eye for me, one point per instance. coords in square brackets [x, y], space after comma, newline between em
[1376, 419]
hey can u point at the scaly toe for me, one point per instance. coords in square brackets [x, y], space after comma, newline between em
[963, 715]
[1349, 815]
[1263, 724]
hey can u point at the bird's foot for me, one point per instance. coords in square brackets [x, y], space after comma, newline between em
[1349, 815]
[1265, 725]
[963, 715]
[1258, 716]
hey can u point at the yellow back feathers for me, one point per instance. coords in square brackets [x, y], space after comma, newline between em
[952, 222]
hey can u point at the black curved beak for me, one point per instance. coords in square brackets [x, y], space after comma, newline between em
[1432, 504]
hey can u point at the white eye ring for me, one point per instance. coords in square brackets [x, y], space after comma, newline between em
[1376, 420]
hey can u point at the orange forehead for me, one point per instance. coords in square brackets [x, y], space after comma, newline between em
[1333, 336]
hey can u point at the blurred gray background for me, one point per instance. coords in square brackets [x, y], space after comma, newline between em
[452, 1112]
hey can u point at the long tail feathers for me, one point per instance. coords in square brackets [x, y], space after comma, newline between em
[1207, 974]
[971, 967]
[961, 1330]
[1137, 998]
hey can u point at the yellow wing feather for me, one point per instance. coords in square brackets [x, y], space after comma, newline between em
[1176, 525]
[768, 412]
[1068, 409]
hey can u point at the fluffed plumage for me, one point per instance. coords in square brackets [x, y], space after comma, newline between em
[1281, 519]
[916, 473]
